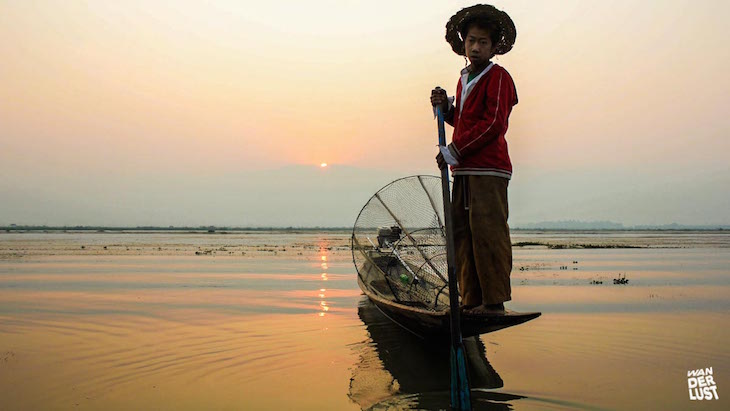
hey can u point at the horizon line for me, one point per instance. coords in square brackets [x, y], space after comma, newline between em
[213, 228]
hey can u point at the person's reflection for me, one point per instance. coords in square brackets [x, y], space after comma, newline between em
[397, 368]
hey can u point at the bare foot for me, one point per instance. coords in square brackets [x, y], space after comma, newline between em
[487, 309]
[465, 308]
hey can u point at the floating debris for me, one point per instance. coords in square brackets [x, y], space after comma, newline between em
[528, 243]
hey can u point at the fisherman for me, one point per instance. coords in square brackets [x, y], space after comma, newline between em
[478, 156]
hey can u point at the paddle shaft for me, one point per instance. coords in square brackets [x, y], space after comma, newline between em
[450, 247]
[460, 386]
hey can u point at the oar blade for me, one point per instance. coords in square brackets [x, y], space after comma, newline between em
[460, 394]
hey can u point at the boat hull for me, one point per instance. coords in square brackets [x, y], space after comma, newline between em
[429, 323]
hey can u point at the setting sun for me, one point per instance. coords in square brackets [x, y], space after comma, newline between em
[323, 165]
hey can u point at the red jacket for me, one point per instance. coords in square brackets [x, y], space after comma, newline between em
[480, 121]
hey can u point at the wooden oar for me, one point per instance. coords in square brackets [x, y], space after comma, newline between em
[460, 395]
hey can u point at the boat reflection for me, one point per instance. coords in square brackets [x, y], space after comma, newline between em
[398, 370]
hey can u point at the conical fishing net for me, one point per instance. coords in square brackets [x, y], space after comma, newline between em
[399, 243]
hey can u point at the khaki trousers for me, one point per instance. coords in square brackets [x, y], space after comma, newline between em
[481, 237]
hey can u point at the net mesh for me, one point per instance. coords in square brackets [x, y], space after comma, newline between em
[399, 243]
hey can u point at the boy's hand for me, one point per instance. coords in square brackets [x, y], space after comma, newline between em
[440, 161]
[439, 98]
[446, 157]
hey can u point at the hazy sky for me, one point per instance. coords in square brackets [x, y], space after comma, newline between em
[191, 112]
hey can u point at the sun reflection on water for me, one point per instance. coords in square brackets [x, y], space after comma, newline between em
[323, 305]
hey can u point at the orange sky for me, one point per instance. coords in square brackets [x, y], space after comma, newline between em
[112, 89]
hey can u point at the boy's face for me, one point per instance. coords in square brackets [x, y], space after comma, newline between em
[478, 46]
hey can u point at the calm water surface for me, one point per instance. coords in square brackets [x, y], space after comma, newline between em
[276, 321]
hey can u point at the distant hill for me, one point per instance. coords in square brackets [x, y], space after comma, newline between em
[572, 225]
[610, 225]
[545, 225]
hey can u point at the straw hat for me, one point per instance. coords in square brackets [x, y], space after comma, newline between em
[507, 30]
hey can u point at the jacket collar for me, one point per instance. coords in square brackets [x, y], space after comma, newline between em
[467, 86]
[467, 69]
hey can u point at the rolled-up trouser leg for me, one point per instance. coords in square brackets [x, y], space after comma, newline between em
[489, 232]
[466, 272]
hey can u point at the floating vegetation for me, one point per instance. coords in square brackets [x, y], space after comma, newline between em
[527, 243]
[607, 246]
[569, 246]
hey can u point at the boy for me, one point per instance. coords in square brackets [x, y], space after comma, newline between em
[479, 158]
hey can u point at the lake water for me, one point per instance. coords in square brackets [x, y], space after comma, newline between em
[271, 321]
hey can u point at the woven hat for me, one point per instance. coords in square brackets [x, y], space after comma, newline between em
[507, 30]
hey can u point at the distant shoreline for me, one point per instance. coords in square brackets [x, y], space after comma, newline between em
[223, 230]
[202, 230]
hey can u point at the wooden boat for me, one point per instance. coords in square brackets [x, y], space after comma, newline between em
[399, 251]
[417, 299]
[425, 322]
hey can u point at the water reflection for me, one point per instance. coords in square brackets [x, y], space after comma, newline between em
[399, 370]
[323, 305]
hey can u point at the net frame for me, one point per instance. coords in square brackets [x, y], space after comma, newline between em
[411, 269]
